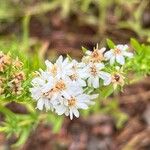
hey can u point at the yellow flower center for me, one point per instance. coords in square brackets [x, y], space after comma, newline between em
[93, 70]
[117, 51]
[60, 85]
[72, 102]
[97, 56]
[73, 77]
[118, 79]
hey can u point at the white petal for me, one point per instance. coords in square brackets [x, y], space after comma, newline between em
[82, 82]
[100, 66]
[112, 60]
[60, 109]
[47, 104]
[59, 60]
[102, 49]
[108, 54]
[128, 54]
[94, 96]
[82, 106]
[47, 87]
[106, 77]
[96, 82]
[40, 104]
[89, 81]
[88, 52]
[82, 97]
[36, 93]
[108, 81]
[48, 63]
[75, 112]
[125, 47]
[67, 112]
[71, 114]
[120, 59]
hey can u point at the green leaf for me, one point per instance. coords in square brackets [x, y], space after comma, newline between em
[23, 137]
[110, 43]
[136, 45]
[84, 49]
[106, 91]
[57, 125]
[69, 57]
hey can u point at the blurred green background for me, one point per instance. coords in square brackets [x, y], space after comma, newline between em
[66, 25]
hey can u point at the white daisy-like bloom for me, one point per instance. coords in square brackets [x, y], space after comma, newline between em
[47, 92]
[117, 78]
[78, 73]
[71, 103]
[65, 86]
[118, 53]
[37, 94]
[94, 73]
[60, 69]
[94, 56]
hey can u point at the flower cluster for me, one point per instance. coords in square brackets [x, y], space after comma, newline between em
[11, 75]
[5, 60]
[68, 85]
[16, 83]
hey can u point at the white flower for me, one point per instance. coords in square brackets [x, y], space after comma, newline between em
[65, 86]
[47, 89]
[118, 53]
[94, 56]
[77, 74]
[117, 77]
[94, 73]
[60, 69]
[70, 104]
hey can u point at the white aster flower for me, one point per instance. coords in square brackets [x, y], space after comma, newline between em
[77, 73]
[94, 73]
[117, 78]
[118, 53]
[47, 90]
[94, 56]
[60, 69]
[69, 104]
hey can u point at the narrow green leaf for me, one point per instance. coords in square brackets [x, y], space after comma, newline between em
[84, 49]
[106, 91]
[57, 125]
[110, 43]
[136, 45]
[23, 137]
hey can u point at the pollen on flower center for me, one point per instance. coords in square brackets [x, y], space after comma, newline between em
[48, 94]
[73, 77]
[97, 56]
[93, 70]
[117, 77]
[60, 85]
[72, 102]
[117, 51]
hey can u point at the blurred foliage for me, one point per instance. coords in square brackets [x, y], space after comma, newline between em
[94, 12]
[125, 14]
